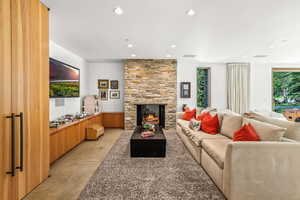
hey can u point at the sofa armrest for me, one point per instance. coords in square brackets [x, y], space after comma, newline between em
[179, 115]
[262, 170]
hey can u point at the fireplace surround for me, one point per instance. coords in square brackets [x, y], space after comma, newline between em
[150, 81]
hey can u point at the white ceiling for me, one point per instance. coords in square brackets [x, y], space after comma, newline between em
[221, 30]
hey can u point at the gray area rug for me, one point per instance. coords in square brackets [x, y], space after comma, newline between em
[177, 176]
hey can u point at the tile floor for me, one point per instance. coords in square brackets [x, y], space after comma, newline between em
[71, 173]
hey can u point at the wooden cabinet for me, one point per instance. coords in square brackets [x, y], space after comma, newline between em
[24, 71]
[6, 181]
[113, 120]
[65, 138]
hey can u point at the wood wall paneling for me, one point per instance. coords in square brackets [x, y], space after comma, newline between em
[7, 190]
[30, 89]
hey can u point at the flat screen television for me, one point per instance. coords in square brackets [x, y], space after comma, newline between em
[64, 80]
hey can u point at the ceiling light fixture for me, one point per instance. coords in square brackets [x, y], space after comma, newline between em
[260, 56]
[118, 11]
[173, 46]
[130, 45]
[133, 55]
[190, 12]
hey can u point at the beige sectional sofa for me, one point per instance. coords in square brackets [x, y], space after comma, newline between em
[265, 170]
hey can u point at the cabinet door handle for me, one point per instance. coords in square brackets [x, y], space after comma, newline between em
[21, 115]
[13, 156]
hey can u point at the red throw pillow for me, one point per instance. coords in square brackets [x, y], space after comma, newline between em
[246, 133]
[203, 116]
[210, 125]
[189, 114]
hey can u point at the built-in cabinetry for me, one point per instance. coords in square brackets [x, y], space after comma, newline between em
[24, 97]
[113, 119]
[66, 137]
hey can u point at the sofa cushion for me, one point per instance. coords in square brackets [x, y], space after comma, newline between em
[183, 123]
[293, 128]
[266, 131]
[198, 136]
[216, 149]
[230, 124]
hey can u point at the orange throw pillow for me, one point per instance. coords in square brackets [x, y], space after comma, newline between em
[189, 114]
[210, 125]
[203, 116]
[246, 133]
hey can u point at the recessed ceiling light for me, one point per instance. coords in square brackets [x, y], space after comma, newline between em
[260, 56]
[130, 45]
[118, 11]
[190, 12]
[173, 46]
[189, 56]
[168, 56]
[133, 55]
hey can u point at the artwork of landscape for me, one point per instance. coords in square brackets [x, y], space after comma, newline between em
[286, 91]
[64, 80]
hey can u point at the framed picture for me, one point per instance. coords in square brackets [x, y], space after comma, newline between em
[103, 95]
[185, 90]
[115, 94]
[114, 84]
[103, 84]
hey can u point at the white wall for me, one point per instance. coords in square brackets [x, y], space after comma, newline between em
[261, 84]
[110, 71]
[186, 72]
[72, 105]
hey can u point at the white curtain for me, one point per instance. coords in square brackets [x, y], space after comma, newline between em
[238, 75]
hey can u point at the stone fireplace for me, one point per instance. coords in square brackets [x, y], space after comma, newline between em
[153, 82]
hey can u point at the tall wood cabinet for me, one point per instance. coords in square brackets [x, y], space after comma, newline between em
[24, 97]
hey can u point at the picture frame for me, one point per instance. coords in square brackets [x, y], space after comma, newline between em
[103, 95]
[114, 84]
[185, 90]
[114, 94]
[103, 84]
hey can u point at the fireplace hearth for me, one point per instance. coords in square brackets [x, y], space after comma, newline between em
[150, 114]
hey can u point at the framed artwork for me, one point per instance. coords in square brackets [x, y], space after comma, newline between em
[115, 94]
[103, 84]
[103, 95]
[185, 90]
[114, 84]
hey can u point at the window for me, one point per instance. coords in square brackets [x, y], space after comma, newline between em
[286, 89]
[203, 87]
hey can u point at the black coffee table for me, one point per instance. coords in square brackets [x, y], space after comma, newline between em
[148, 147]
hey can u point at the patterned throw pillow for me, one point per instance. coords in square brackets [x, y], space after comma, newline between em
[195, 125]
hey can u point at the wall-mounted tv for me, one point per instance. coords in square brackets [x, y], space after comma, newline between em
[64, 80]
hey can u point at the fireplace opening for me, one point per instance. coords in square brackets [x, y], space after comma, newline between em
[150, 114]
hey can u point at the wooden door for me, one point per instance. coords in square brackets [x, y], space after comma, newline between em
[7, 191]
[30, 92]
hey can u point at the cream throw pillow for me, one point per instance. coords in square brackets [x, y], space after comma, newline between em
[230, 124]
[266, 131]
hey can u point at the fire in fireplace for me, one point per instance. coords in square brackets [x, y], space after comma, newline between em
[150, 114]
